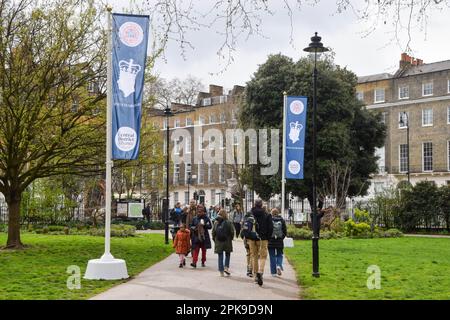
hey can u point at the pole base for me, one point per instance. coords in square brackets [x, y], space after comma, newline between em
[106, 269]
[316, 274]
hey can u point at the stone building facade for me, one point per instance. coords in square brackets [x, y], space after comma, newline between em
[213, 182]
[417, 93]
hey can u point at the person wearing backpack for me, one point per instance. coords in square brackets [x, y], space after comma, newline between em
[223, 234]
[246, 245]
[276, 244]
[258, 229]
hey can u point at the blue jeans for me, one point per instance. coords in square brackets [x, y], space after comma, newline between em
[227, 261]
[276, 259]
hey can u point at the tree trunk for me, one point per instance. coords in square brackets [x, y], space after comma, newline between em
[13, 202]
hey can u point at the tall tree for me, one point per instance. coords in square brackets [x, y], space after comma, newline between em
[52, 115]
[163, 93]
[347, 134]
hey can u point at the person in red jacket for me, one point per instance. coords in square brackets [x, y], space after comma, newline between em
[182, 244]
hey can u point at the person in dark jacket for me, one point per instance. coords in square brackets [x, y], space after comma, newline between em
[258, 230]
[276, 244]
[200, 235]
[223, 234]
[236, 218]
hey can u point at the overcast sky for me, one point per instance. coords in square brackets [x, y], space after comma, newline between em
[340, 32]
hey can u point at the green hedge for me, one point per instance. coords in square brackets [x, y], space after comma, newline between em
[352, 230]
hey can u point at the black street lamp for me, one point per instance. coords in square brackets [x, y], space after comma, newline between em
[404, 121]
[315, 47]
[168, 113]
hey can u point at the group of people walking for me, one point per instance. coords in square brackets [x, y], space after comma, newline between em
[263, 234]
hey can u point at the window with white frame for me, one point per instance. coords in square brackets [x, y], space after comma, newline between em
[212, 143]
[177, 148]
[233, 115]
[427, 151]
[201, 121]
[176, 198]
[206, 102]
[221, 173]
[360, 95]
[210, 173]
[222, 117]
[154, 173]
[188, 145]
[427, 117]
[165, 122]
[200, 143]
[403, 158]
[379, 95]
[177, 123]
[201, 174]
[403, 118]
[75, 105]
[91, 87]
[223, 99]
[187, 173]
[403, 92]
[448, 86]
[212, 118]
[188, 122]
[448, 115]
[186, 197]
[427, 89]
[213, 196]
[176, 174]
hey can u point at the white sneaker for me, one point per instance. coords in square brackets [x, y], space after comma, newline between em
[279, 271]
[274, 275]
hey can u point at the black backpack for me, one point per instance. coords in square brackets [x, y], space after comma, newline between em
[221, 232]
[250, 227]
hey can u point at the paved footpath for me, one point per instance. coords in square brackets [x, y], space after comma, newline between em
[165, 281]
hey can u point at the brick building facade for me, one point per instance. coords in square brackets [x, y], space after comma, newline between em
[422, 91]
[214, 110]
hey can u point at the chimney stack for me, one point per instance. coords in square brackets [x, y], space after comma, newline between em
[406, 61]
[215, 91]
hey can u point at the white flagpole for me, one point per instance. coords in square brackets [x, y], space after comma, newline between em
[283, 178]
[109, 163]
[108, 268]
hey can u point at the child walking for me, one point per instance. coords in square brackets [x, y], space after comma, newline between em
[182, 244]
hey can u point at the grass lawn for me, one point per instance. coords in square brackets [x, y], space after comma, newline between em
[39, 272]
[411, 268]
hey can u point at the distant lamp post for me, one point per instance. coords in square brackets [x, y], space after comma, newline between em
[167, 113]
[315, 47]
[404, 122]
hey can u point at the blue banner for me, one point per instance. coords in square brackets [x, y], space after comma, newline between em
[295, 126]
[129, 42]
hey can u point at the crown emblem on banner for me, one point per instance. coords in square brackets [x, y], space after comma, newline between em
[127, 79]
[129, 67]
[294, 133]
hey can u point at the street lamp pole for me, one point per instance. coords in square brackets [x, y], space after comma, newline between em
[315, 47]
[189, 184]
[168, 114]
